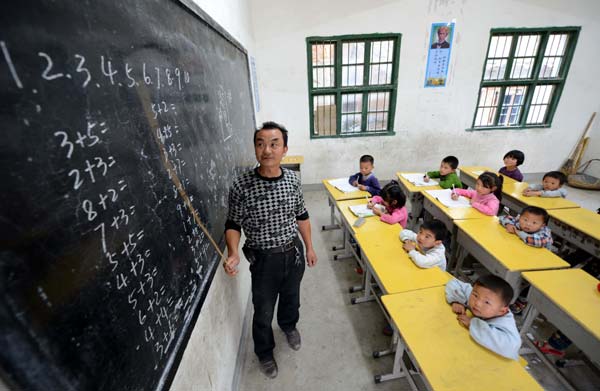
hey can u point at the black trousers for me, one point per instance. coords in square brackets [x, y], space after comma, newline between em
[275, 275]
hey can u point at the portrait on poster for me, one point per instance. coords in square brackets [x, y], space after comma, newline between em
[438, 58]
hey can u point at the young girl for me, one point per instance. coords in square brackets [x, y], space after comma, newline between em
[512, 160]
[390, 204]
[487, 194]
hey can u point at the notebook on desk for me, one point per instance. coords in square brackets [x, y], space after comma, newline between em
[361, 210]
[445, 197]
[418, 180]
[342, 185]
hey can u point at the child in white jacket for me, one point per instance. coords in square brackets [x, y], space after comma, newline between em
[492, 324]
[425, 248]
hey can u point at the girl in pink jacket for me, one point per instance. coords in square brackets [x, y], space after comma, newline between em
[389, 206]
[487, 194]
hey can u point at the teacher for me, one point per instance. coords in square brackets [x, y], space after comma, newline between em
[267, 203]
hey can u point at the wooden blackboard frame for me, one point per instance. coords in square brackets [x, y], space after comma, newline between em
[42, 360]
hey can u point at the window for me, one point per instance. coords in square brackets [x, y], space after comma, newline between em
[523, 76]
[352, 82]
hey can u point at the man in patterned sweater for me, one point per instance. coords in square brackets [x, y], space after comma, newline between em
[267, 203]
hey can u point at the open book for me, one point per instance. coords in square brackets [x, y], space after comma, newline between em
[342, 185]
[444, 196]
[417, 180]
[361, 210]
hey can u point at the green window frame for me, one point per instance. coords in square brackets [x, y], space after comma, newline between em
[524, 73]
[352, 84]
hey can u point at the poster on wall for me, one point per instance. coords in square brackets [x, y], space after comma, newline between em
[438, 59]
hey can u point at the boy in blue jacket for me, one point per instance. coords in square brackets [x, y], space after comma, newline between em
[365, 179]
[492, 324]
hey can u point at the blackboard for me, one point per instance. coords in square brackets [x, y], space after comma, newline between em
[123, 124]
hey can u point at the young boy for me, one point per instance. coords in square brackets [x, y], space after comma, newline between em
[447, 173]
[492, 324]
[512, 160]
[365, 179]
[426, 248]
[530, 226]
[551, 186]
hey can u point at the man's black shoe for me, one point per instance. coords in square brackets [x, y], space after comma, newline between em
[269, 368]
[293, 339]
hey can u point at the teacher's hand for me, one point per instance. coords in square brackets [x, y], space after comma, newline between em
[311, 257]
[231, 264]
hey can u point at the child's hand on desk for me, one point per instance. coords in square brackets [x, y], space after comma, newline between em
[459, 309]
[409, 245]
[362, 187]
[531, 193]
[355, 183]
[370, 205]
[377, 210]
[425, 178]
[454, 196]
[511, 229]
[464, 320]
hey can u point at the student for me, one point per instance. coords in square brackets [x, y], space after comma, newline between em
[512, 160]
[492, 324]
[429, 253]
[551, 186]
[365, 179]
[447, 173]
[390, 205]
[487, 194]
[530, 226]
[426, 249]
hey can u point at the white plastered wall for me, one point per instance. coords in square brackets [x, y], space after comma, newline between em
[430, 122]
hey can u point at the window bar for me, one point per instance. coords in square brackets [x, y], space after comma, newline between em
[337, 97]
[316, 114]
[511, 50]
[386, 107]
[364, 123]
[387, 69]
[537, 64]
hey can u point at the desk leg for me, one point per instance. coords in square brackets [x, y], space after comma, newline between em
[454, 247]
[391, 349]
[416, 208]
[333, 224]
[515, 280]
[399, 369]
[351, 254]
[460, 258]
[548, 363]
[532, 313]
[343, 246]
[367, 295]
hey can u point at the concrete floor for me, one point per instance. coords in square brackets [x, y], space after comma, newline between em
[338, 338]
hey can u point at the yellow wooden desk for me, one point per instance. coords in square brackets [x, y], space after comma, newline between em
[513, 198]
[413, 194]
[293, 162]
[387, 267]
[347, 220]
[502, 253]
[468, 174]
[578, 226]
[334, 195]
[570, 301]
[448, 216]
[383, 257]
[443, 352]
